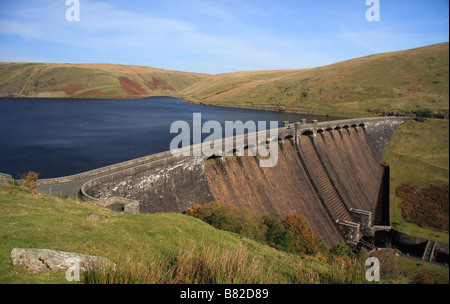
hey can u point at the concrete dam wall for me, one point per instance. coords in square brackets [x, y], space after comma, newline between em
[330, 172]
[281, 190]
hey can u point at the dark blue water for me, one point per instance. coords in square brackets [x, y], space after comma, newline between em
[58, 137]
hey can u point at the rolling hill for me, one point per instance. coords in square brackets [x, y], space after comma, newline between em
[403, 82]
[90, 80]
[399, 82]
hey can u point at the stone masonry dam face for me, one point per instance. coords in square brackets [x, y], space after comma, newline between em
[330, 172]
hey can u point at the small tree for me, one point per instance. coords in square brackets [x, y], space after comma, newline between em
[31, 180]
[305, 239]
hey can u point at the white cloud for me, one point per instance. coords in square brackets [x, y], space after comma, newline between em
[23, 30]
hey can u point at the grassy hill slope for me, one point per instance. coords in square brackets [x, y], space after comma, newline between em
[90, 80]
[397, 82]
[33, 220]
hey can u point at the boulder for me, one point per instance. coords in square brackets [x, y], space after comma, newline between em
[38, 260]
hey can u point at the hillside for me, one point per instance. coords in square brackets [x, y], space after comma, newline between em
[399, 82]
[90, 80]
[33, 220]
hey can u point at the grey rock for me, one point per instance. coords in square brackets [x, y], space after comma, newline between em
[39, 260]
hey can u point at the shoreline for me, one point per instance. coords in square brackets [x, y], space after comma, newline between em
[201, 103]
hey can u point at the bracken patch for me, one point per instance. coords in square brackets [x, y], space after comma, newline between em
[425, 206]
[131, 87]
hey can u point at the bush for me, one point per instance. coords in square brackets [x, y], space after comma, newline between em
[31, 180]
[277, 235]
[196, 211]
[291, 235]
[230, 218]
[305, 239]
[341, 250]
[254, 228]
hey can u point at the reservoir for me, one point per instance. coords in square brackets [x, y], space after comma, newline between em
[58, 137]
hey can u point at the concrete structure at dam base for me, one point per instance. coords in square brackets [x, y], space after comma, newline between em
[329, 172]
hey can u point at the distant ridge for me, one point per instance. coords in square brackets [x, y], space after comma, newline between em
[91, 80]
[404, 82]
[400, 82]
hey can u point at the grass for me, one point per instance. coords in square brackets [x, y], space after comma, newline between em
[418, 153]
[192, 264]
[413, 267]
[203, 264]
[33, 220]
[152, 248]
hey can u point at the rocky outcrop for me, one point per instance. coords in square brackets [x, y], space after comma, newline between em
[39, 260]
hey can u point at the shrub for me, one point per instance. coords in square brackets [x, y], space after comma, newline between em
[230, 218]
[31, 180]
[196, 211]
[341, 250]
[277, 235]
[222, 216]
[292, 235]
[305, 239]
[254, 228]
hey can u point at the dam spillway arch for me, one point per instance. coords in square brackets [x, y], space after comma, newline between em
[338, 192]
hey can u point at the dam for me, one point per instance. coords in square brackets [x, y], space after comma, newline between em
[330, 172]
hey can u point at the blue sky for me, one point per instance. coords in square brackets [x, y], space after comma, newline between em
[216, 36]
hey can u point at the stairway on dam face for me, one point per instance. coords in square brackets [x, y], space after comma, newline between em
[350, 163]
[317, 169]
